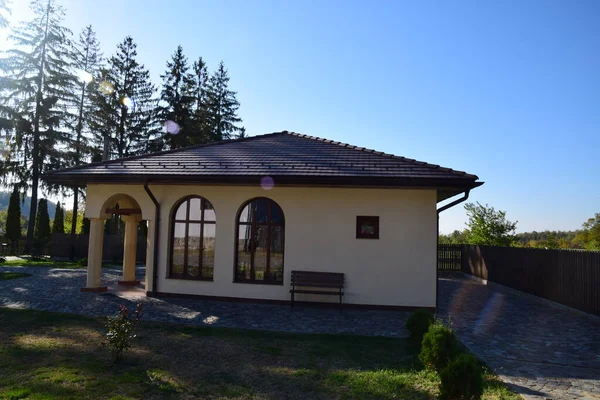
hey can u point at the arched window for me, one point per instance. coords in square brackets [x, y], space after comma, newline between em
[193, 239]
[260, 240]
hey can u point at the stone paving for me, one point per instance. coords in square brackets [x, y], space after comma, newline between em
[542, 349]
[58, 290]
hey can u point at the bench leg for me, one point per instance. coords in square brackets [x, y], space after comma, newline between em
[341, 294]
[292, 302]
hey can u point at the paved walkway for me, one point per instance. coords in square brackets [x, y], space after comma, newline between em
[58, 290]
[543, 349]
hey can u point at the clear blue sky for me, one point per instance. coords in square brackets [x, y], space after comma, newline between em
[507, 90]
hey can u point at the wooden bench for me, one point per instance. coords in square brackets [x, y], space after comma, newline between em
[334, 281]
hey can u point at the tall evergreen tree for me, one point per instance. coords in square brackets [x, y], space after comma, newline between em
[36, 76]
[200, 120]
[4, 11]
[222, 106]
[177, 100]
[58, 225]
[87, 60]
[13, 218]
[125, 105]
[42, 226]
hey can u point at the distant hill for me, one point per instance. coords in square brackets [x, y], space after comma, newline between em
[5, 199]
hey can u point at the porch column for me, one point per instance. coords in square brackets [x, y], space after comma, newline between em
[150, 256]
[130, 249]
[94, 268]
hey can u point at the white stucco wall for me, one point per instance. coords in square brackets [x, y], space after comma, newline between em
[399, 269]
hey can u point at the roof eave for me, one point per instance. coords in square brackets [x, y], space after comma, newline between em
[446, 184]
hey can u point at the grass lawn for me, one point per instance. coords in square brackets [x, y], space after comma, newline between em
[56, 356]
[4, 276]
[49, 263]
[45, 262]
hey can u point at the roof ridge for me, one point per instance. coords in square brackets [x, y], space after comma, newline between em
[381, 153]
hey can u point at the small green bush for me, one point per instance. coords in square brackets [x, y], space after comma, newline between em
[121, 329]
[418, 323]
[439, 346]
[462, 379]
[82, 262]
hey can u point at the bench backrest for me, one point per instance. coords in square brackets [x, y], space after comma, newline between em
[318, 279]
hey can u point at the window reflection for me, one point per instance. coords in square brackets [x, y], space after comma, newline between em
[260, 242]
[193, 240]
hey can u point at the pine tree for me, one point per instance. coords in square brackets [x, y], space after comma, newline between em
[4, 10]
[199, 89]
[36, 73]
[13, 218]
[125, 105]
[58, 225]
[177, 100]
[222, 106]
[42, 226]
[87, 60]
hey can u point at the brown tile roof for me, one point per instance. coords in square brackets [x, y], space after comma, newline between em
[287, 157]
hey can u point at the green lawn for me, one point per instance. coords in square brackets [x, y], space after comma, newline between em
[45, 262]
[4, 276]
[56, 356]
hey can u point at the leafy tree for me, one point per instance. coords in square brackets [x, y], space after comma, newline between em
[589, 238]
[36, 73]
[69, 219]
[177, 100]
[59, 220]
[13, 217]
[87, 60]
[456, 237]
[42, 226]
[488, 226]
[221, 106]
[125, 106]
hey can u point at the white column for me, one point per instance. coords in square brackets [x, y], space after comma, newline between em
[130, 249]
[94, 269]
[149, 256]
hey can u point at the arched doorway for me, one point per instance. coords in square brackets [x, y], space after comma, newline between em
[130, 212]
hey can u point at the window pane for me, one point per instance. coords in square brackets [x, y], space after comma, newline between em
[209, 211]
[181, 210]
[193, 265]
[244, 251]
[246, 215]
[276, 214]
[208, 250]
[262, 209]
[178, 248]
[195, 209]
[260, 253]
[276, 266]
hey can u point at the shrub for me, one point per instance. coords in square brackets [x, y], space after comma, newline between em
[2, 260]
[418, 323]
[121, 329]
[439, 346]
[462, 378]
[82, 262]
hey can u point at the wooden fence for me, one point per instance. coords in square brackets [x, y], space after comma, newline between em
[450, 257]
[61, 245]
[569, 277]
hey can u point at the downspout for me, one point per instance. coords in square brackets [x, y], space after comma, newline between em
[437, 243]
[156, 233]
